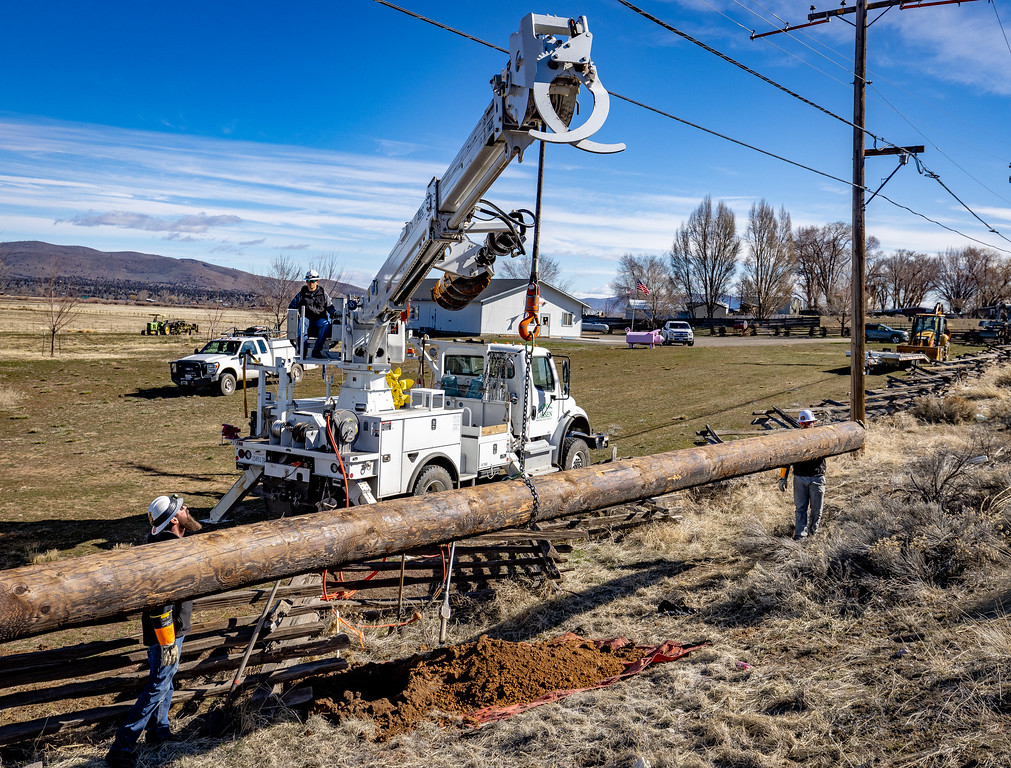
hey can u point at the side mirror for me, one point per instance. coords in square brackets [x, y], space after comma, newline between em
[564, 367]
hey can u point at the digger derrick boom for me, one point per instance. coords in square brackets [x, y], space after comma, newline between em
[43, 598]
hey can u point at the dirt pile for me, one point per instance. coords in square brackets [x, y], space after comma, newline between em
[459, 679]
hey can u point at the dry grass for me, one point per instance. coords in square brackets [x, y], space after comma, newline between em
[10, 398]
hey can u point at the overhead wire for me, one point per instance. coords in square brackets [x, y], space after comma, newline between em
[871, 75]
[920, 166]
[721, 55]
[1000, 24]
[779, 47]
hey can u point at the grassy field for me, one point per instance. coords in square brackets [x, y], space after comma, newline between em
[92, 434]
[884, 641]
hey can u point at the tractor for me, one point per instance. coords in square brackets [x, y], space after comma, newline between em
[929, 336]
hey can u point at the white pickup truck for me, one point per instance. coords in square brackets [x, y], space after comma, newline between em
[678, 332]
[219, 366]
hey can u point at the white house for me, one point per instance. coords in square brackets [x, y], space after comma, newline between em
[497, 312]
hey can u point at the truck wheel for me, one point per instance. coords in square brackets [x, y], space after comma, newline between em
[432, 479]
[691, 343]
[896, 339]
[296, 374]
[575, 453]
[227, 384]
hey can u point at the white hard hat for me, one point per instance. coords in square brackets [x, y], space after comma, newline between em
[806, 417]
[312, 274]
[161, 511]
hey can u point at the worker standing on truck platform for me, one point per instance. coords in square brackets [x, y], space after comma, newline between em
[164, 629]
[808, 488]
[319, 309]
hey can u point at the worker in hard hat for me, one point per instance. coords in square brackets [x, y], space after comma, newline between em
[808, 487]
[164, 629]
[319, 310]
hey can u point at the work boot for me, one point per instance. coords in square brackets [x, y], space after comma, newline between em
[161, 736]
[121, 758]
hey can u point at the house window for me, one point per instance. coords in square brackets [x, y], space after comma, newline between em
[414, 311]
[567, 318]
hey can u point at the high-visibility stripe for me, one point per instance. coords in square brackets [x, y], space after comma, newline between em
[164, 628]
[165, 635]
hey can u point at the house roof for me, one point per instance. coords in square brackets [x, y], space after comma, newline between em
[497, 288]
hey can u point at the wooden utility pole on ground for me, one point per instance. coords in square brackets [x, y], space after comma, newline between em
[82, 590]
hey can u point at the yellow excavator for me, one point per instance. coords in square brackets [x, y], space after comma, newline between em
[929, 336]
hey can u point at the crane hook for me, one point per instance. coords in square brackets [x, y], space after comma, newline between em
[530, 310]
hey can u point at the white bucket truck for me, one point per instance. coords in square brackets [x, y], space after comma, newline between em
[489, 410]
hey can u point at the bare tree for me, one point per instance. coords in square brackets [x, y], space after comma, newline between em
[907, 277]
[703, 256]
[214, 316]
[769, 267]
[276, 288]
[59, 301]
[992, 274]
[548, 270]
[823, 267]
[956, 282]
[651, 272]
[805, 250]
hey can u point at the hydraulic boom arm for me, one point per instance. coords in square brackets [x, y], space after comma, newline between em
[534, 98]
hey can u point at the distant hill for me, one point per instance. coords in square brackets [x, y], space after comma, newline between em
[600, 305]
[31, 259]
[117, 274]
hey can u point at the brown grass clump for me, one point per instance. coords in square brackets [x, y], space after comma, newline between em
[949, 409]
[10, 398]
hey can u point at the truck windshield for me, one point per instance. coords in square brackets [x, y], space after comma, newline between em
[220, 347]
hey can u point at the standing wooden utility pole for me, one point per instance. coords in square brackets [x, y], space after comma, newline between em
[857, 343]
[859, 248]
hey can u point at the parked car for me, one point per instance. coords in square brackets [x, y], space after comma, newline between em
[596, 327]
[991, 331]
[678, 332]
[882, 332]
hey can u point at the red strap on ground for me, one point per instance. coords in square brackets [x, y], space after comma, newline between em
[659, 654]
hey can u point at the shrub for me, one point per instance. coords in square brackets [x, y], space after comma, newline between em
[951, 409]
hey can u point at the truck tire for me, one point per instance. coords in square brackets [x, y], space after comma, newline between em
[691, 343]
[296, 373]
[575, 453]
[432, 479]
[226, 384]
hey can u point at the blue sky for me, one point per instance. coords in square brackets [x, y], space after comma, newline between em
[231, 132]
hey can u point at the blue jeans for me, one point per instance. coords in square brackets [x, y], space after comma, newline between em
[808, 499]
[320, 329]
[152, 708]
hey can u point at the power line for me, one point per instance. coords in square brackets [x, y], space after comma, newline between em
[762, 77]
[994, 3]
[876, 76]
[739, 65]
[781, 48]
[721, 135]
[937, 148]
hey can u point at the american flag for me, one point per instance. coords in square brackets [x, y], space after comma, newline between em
[641, 287]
